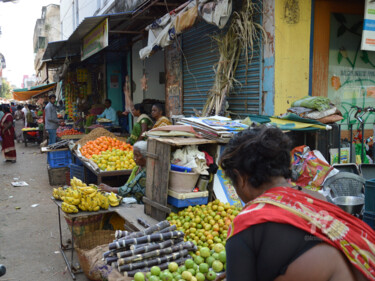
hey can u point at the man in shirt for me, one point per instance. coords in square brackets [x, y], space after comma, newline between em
[52, 122]
[109, 112]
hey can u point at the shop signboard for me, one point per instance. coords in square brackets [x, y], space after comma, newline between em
[95, 40]
[368, 33]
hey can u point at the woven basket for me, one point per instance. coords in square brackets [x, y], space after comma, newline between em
[83, 225]
[91, 265]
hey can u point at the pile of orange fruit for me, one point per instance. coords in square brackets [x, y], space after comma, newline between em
[69, 132]
[102, 144]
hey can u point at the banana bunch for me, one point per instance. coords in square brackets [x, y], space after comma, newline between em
[104, 201]
[71, 196]
[58, 193]
[89, 204]
[76, 183]
[113, 200]
[68, 208]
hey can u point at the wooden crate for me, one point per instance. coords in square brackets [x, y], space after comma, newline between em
[158, 166]
[57, 176]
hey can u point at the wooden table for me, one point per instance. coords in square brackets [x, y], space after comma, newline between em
[130, 213]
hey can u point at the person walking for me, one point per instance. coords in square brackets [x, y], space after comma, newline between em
[52, 122]
[19, 123]
[7, 135]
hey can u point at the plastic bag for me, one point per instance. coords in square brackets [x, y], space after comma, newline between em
[311, 169]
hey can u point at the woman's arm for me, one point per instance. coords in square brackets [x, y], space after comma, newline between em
[107, 188]
[144, 129]
[7, 125]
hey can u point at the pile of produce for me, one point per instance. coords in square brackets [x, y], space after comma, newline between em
[102, 144]
[114, 160]
[69, 132]
[94, 134]
[205, 225]
[104, 120]
[79, 196]
[158, 245]
[205, 266]
[110, 154]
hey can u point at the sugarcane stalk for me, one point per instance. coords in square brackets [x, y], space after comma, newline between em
[121, 233]
[143, 222]
[161, 266]
[111, 253]
[152, 262]
[168, 229]
[144, 248]
[146, 239]
[157, 253]
[134, 247]
[157, 227]
[110, 260]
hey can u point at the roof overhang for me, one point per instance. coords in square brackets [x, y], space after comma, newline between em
[26, 93]
[130, 23]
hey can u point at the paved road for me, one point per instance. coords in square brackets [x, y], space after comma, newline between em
[29, 237]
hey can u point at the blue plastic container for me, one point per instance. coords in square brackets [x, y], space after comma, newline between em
[370, 195]
[77, 171]
[59, 159]
[369, 218]
[181, 203]
[77, 161]
[180, 168]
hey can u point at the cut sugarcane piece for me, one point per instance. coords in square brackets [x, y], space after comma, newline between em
[148, 231]
[158, 253]
[161, 266]
[149, 247]
[156, 237]
[169, 228]
[152, 262]
[110, 260]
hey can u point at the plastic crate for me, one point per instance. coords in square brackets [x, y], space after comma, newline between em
[57, 176]
[59, 159]
[181, 200]
[76, 160]
[77, 171]
[368, 171]
[370, 195]
[369, 218]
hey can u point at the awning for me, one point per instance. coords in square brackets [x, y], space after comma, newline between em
[26, 94]
[131, 23]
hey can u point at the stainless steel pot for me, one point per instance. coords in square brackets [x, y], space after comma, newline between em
[350, 204]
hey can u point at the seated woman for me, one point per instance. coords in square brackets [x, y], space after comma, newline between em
[143, 124]
[282, 233]
[136, 184]
[157, 113]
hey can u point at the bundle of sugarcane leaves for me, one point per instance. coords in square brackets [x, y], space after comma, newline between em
[158, 245]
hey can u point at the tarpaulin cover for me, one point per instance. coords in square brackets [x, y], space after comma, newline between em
[290, 122]
[26, 94]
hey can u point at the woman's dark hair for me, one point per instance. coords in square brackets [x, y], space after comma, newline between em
[160, 107]
[140, 108]
[6, 108]
[19, 107]
[260, 153]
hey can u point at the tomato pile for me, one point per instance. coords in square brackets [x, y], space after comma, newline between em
[69, 132]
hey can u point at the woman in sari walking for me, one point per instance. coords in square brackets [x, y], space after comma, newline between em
[19, 123]
[7, 134]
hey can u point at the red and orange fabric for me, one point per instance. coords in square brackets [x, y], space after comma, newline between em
[8, 148]
[354, 238]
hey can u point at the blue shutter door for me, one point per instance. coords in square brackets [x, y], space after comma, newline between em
[200, 54]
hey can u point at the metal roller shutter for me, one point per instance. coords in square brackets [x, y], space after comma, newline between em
[200, 56]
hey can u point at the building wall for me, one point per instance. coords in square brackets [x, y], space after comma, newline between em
[292, 51]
